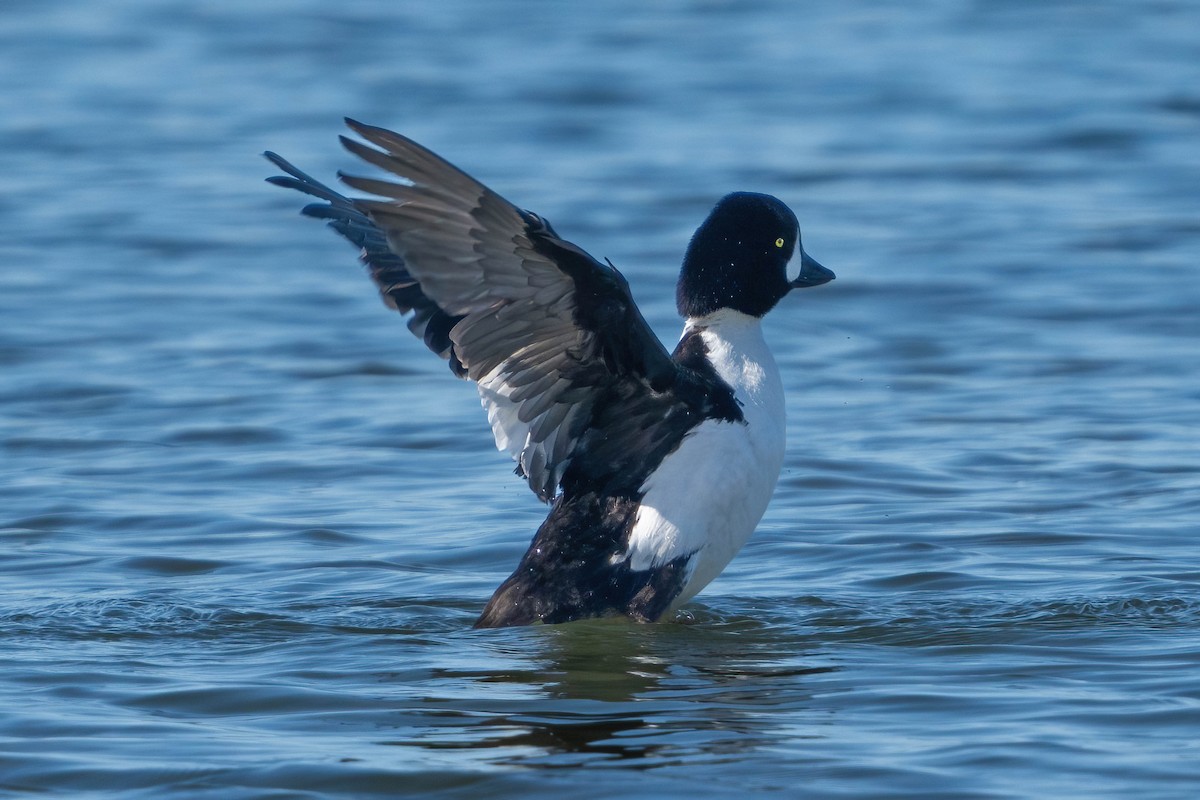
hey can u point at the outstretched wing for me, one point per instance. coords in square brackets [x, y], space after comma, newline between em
[397, 286]
[542, 327]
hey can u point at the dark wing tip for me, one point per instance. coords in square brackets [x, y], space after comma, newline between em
[368, 154]
[280, 162]
[369, 132]
[388, 141]
[299, 180]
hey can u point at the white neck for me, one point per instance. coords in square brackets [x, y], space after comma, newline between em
[740, 355]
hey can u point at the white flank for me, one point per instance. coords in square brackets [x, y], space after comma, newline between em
[709, 494]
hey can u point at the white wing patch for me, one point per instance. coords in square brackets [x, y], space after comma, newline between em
[503, 413]
[537, 426]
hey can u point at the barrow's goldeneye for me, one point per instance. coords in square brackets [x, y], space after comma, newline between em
[657, 466]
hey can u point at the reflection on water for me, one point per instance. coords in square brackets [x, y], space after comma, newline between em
[650, 696]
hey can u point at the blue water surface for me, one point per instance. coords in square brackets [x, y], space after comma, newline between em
[246, 520]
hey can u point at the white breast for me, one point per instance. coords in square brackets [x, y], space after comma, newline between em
[708, 495]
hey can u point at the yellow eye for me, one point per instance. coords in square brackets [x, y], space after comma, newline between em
[779, 242]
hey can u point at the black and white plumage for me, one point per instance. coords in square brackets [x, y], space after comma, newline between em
[657, 466]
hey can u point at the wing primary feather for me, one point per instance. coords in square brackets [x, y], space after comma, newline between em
[416, 158]
[551, 335]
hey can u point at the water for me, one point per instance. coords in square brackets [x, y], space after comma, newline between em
[247, 522]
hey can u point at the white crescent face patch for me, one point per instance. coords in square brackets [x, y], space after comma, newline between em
[793, 267]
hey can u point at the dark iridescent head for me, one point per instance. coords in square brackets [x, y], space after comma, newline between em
[738, 258]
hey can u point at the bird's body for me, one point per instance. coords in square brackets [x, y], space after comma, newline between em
[657, 466]
[708, 495]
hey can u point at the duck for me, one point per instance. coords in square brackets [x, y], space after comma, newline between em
[656, 466]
